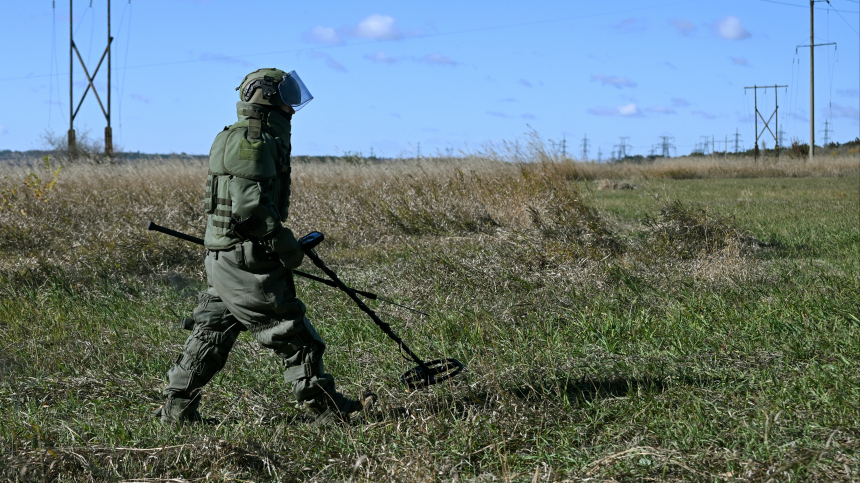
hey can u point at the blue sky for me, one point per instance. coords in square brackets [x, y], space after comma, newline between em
[392, 75]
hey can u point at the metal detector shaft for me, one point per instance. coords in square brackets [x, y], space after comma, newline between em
[193, 239]
[376, 320]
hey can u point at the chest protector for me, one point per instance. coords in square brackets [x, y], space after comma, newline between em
[250, 149]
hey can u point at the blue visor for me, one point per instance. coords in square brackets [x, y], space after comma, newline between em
[293, 91]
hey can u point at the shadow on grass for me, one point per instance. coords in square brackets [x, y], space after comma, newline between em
[586, 390]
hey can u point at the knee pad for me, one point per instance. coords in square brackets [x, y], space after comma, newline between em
[307, 363]
[204, 354]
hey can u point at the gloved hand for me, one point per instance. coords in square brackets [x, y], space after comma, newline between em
[288, 248]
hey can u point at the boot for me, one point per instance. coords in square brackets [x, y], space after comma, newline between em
[176, 410]
[337, 408]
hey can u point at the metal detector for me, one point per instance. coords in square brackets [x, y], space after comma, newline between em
[423, 375]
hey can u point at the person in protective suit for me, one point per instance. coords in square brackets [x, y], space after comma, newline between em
[250, 257]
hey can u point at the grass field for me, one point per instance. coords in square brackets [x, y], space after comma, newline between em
[695, 329]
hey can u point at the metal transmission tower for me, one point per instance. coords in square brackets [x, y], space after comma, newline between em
[827, 132]
[705, 142]
[737, 138]
[599, 155]
[74, 111]
[781, 135]
[772, 116]
[584, 146]
[622, 147]
[665, 144]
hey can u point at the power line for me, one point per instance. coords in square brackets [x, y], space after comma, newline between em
[843, 18]
[425, 36]
[800, 6]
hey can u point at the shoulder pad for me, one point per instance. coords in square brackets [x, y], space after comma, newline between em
[216, 154]
[250, 158]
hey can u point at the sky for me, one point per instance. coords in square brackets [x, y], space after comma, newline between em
[395, 78]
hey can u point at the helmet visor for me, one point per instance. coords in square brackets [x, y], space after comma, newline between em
[293, 91]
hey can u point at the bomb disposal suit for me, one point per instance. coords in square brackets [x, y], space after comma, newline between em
[249, 270]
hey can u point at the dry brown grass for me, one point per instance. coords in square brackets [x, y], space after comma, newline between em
[696, 167]
[666, 348]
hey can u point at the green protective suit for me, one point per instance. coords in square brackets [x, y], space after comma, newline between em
[250, 282]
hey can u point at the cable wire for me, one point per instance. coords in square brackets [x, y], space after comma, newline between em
[124, 65]
[377, 42]
[125, 61]
[92, 34]
[53, 54]
[843, 18]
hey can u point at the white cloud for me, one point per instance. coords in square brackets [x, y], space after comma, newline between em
[323, 35]
[627, 110]
[660, 110]
[3, 130]
[706, 115]
[848, 92]
[377, 27]
[381, 57]
[329, 61]
[529, 116]
[797, 116]
[140, 97]
[438, 59]
[731, 28]
[630, 25]
[525, 83]
[684, 27]
[225, 59]
[679, 102]
[839, 110]
[612, 80]
[741, 61]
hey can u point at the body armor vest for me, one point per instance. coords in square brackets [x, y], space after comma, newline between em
[252, 148]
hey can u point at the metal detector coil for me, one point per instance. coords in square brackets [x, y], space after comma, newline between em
[436, 371]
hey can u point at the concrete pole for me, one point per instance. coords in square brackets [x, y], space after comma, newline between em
[811, 78]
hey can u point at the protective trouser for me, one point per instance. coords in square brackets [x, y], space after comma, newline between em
[248, 290]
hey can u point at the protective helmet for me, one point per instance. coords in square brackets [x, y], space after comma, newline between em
[273, 87]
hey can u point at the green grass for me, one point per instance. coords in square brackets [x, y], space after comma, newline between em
[598, 345]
